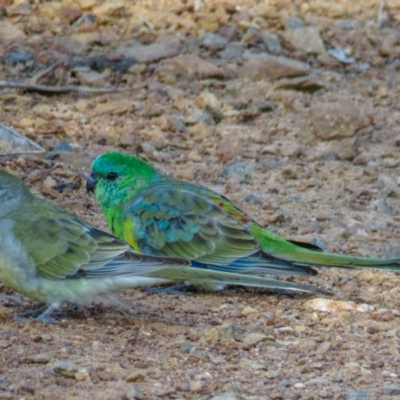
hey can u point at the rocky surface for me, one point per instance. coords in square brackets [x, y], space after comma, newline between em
[290, 109]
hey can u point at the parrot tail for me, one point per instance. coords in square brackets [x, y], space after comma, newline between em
[330, 260]
[299, 256]
[205, 277]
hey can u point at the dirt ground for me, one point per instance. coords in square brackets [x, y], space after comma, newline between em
[290, 109]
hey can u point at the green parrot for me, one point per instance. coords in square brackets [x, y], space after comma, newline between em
[160, 215]
[54, 257]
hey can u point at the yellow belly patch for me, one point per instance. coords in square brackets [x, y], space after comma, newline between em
[129, 235]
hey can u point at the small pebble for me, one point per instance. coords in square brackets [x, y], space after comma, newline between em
[65, 368]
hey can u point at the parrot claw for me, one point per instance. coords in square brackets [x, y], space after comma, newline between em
[179, 289]
[42, 317]
[31, 311]
[45, 320]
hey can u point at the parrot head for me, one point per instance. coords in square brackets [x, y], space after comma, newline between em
[117, 177]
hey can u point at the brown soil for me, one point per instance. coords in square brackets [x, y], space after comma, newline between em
[314, 157]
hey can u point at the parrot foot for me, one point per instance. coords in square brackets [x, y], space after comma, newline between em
[31, 311]
[42, 317]
[179, 289]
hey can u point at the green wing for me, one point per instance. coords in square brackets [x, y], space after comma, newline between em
[186, 223]
[62, 246]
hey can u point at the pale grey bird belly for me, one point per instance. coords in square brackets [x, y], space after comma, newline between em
[18, 272]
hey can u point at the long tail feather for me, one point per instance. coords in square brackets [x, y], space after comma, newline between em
[280, 248]
[311, 258]
[198, 277]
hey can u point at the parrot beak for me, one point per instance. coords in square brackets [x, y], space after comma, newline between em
[91, 183]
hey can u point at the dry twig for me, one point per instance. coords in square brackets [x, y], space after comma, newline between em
[56, 89]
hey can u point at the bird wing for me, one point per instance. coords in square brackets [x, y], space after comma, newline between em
[182, 223]
[62, 246]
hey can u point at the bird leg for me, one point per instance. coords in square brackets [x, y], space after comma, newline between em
[42, 317]
[177, 289]
[31, 311]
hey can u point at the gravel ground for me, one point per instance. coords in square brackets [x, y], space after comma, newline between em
[288, 108]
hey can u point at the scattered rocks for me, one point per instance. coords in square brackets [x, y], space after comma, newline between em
[252, 364]
[328, 9]
[13, 142]
[10, 33]
[253, 339]
[305, 39]
[391, 390]
[308, 84]
[151, 53]
[192, 66]
[293, 23]
[336, 120]
[65, 368]
[289, 149]
[357, 395]
[239, 171]
[134, 392]
[208, 100]
[204, 117]
[225, 396]
[319, 304]
[234, 51]
[112, 107]
[272, 43]
[92, 78]
[270, 67]
[108, 10]
[230, 33]
[344, 149]
[5, 315]
[188, 348]
[382, 206]
[136, 376]
[250, 312]
[214, 42]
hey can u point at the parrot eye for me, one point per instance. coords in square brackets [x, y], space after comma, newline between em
[111, 176]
